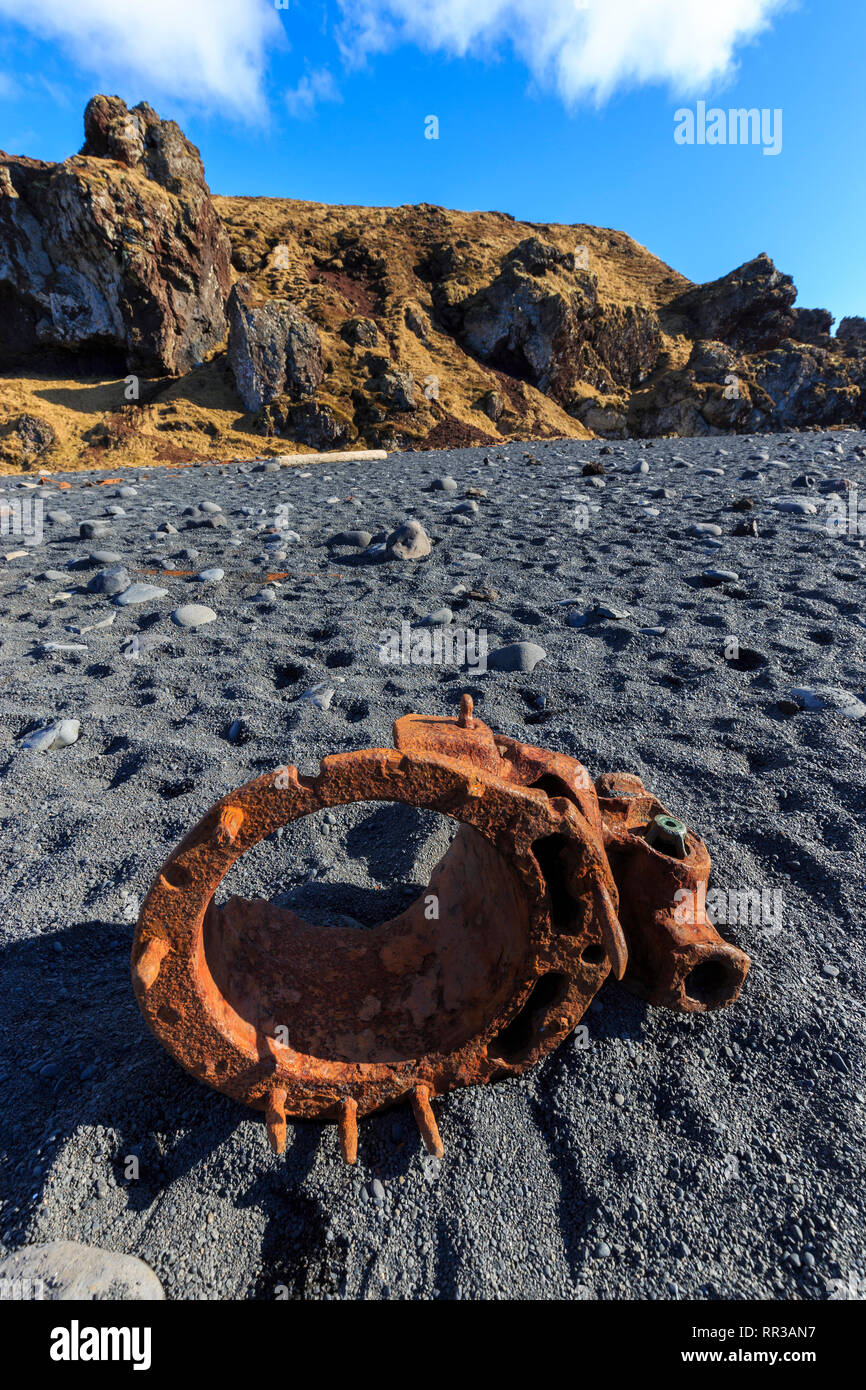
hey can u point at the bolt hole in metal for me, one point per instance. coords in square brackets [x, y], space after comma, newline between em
[548, 854]
[524, 1030]
[712, 982]
[176, 875]
[594, 953]
[554, 786]
[426, 979]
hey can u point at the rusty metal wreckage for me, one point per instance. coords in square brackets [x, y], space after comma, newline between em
[551, 883]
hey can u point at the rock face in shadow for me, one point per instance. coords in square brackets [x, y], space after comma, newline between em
[750, 309]
[852, 330]
[541, 321]
[274, 349]
[116, 254]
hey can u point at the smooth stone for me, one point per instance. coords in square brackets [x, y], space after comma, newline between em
[516, 656]
[704, 528]
[92, 530]
[63, 647]
[211, 507]
[440, 617]
[360, 539]
[60, 734]
[67, 1271]
[211, 576]
[719, 576]
[105, 557]
[110, 581]
[59, 518]
[408, 542]
[139, 593]
[798, 505]
[193, 615]
[446, 484]
[467, 508]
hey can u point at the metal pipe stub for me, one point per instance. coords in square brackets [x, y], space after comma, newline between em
[482, 976]
[676, 957]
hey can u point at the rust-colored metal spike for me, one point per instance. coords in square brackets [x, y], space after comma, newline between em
[550, 884]
[464, 718]
[150, 960]
[426, 1120]
[275, 1116]
[610, 930]
[348, 1122]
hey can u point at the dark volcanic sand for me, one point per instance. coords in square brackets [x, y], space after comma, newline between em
[717, 1156]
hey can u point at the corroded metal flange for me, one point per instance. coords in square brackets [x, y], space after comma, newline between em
[482, 976]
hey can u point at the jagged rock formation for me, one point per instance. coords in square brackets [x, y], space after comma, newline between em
[852, 330]
[117, 254]
[273, 348]
[289, 323]
[749, 309]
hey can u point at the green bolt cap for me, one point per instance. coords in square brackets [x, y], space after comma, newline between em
[668, 836]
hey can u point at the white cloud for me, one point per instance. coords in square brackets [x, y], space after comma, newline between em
[584, 49]
[314, 87]
[204, 52]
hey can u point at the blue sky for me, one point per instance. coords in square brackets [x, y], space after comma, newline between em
[552, 110]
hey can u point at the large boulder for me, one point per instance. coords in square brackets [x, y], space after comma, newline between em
[274, 349]
[116, 253]
[749, 309]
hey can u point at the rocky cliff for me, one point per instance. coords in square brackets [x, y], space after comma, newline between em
[141, 317]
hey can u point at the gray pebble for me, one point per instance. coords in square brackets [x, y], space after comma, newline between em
[517, 656]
